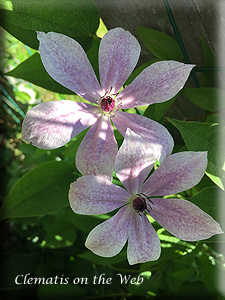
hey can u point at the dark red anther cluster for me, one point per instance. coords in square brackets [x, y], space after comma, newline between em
[139, 204]
[107, 104]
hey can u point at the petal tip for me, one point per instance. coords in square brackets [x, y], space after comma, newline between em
[40, 35]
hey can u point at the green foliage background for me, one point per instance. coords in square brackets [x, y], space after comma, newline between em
[41, 235]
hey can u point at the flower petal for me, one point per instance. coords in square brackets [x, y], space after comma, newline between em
[134, 161]
[53, 124]
[152, 132]
[108, 238]
[67, 63]
[93, 195]
[184, 219]
[179, 172]
[118, 55]
[96, 153]
[143, 241]
[157, 83]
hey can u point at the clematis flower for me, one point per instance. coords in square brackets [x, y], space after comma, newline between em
[53, 124]
[91, 195]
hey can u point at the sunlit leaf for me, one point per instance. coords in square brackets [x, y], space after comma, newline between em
[205, 137]
[208, 200]
[33, 71]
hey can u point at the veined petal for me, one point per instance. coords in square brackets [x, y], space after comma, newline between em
[93, 195]
[118, 55]
[53, 124]
[96, 153]
[157, 83]
[143, 241]
[134, 161]
[108, 238]
[67, 63]
[160, 140]
[184, 219]
[179, 172]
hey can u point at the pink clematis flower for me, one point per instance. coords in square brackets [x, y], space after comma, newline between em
[53, 124]
[91, 195]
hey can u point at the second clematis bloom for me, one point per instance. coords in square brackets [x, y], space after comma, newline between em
[91, 195]
[53, 124]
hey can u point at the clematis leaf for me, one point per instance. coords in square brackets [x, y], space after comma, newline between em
[207, 98]
[42, 190]
[33, 71]
[209, 79]
[208, 200]
[160, 44]
[205, 137]
[78, 19]
[156, 111]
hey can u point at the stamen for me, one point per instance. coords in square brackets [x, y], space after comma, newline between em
[108, 104]
[140, 203]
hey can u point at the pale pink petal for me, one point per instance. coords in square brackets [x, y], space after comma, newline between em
[157, 83]
[96, 153]
[179, 172]
[108, 238]
[184, 219]
[152, 132]
[93, 195]
[143, 241]
[67, 63]
[134, 161]
[118, 55]
[53, 124]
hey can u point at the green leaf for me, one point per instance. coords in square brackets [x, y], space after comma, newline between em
[208, 200]
[205, 137]
[209, 78]
[156, 111]
[40, 191]
[71, 149]
[33, 71]
[78, 19]
[207, 98]
[84, 223]
[92, 54]
[160, 44]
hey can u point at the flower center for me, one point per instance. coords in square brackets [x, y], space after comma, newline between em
[140, 203]
[107, 104]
